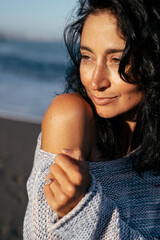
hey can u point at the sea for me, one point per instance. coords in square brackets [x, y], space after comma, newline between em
[31, 74]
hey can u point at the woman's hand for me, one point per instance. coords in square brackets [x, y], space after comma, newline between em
[70, 180]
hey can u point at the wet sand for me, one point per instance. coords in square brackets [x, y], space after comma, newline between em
[17, 145]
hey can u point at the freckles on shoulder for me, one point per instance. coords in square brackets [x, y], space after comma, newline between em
[66, 122]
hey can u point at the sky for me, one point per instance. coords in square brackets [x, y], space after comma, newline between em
[34, 19]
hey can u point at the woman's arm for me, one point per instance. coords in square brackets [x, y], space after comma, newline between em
[67, 124]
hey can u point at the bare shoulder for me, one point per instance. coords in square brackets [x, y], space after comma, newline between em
[69, 102]
[67, 123]
[66, 106]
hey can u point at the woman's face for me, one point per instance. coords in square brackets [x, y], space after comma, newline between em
[101, 51]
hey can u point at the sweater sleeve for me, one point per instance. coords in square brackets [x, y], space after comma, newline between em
[95, 217]
[38, 213]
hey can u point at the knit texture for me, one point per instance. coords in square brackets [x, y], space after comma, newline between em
[118, 205]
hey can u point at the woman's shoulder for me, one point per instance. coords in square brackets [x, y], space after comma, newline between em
[68, 103]
[68, 120]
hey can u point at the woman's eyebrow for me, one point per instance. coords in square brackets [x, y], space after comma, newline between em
[86, 48]
[108, 51]
[114, 50]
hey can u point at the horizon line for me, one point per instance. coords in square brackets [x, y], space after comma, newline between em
[33, 38]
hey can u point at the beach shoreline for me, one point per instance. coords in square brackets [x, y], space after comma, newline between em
[17, 146]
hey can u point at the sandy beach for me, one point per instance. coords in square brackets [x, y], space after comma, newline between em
[17, 145]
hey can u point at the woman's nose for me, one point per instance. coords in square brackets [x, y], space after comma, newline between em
[100, 78]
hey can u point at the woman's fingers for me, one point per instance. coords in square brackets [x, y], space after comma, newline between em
[60, 198]
[49, 195]
[49, 178]
[62, 179]
[73, 153]
[74, 169]
[57, 199]
[69, 180]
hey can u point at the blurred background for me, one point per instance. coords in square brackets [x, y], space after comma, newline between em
[32, 55]
[32, 66]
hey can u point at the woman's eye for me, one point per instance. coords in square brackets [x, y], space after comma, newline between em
[85, 58]
[116, 60]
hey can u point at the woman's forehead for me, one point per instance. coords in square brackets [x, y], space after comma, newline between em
[101, 29]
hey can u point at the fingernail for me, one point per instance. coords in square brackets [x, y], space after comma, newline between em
[66, 150]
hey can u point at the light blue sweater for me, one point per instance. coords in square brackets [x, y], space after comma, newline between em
[118, 205]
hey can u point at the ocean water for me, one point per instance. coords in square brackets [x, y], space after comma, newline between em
[31, 74]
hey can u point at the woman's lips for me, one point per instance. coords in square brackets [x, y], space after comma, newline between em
[103, 101]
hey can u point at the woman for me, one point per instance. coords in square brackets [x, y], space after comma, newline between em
[104, 181]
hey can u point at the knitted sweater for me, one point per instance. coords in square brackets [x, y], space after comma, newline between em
[118, 205]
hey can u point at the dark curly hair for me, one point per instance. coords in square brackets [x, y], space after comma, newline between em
[139, 23]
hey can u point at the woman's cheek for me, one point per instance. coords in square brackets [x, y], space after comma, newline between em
[85, 75]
